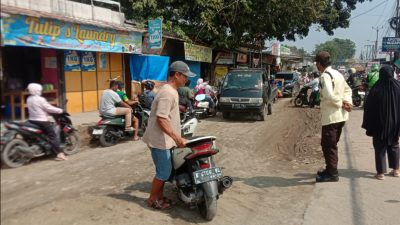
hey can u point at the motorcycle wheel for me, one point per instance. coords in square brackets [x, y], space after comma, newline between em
[298, 102]
[72, 142]
[106, 138]
[208, 207]
[357, 101]
[10, 157]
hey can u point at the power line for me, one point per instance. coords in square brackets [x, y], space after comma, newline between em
[375, 7]
[383, 11]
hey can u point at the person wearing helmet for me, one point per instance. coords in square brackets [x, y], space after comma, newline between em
[350, 79]
[148, 94]
[39, 109]
[373, 75]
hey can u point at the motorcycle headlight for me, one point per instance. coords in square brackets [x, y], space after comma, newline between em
[256, 100]
[224, 99]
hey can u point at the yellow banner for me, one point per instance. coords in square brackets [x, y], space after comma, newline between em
[198, 53]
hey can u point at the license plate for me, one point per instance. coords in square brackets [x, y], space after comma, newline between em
[361, 93]
[205, 175]
[97, 131]
[238, 106]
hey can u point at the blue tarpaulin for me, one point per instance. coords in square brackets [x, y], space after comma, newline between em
[149, 67]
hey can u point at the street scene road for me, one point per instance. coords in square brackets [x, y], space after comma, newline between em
[273, 164]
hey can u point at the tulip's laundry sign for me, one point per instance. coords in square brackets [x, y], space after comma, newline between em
[155, 34]
[198, 53]
[390, 44]
[20, 30]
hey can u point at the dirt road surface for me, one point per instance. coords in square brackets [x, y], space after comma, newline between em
[272, 163]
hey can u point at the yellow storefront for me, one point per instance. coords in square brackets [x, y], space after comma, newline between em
[84, 88]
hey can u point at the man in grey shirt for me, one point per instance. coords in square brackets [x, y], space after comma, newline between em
[110, 99]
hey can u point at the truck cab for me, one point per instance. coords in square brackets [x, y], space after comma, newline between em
[246, 91]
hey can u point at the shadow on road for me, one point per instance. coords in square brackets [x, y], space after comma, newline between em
[268, 182]
[178, 211]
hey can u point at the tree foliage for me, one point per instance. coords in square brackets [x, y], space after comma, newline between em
[339, 49]
[297, 51]
[231, 23]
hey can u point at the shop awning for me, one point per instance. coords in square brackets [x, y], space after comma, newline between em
[22, 27]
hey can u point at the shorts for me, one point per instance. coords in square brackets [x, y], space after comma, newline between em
[162, 162]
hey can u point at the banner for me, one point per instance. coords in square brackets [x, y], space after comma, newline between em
[88, 61]
[20, 30]
[149, 67]
[72, 61]
[197, 53]
[155, 34]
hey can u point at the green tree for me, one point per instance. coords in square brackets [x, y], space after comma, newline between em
[339, 49]
[231, 23]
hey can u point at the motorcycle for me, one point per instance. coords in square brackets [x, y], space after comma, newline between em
[202, 106]
[188, 123]
[111, 129]
[358, 95]
[198, 180]
[302, 99]
[24, 141]
[287, 90]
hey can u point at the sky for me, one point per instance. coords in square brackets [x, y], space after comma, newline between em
[363, 18]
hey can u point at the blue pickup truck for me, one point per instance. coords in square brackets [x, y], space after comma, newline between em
[247, 91]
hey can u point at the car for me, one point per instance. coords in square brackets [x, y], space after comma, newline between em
[246, 91]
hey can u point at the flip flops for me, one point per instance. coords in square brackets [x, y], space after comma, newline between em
[159, 205]
[395, 173]
[380, 176]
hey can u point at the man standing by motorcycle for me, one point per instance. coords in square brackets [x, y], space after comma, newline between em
[107, 105]
[336, 102]
[164, 133]
[38, 109]
[314, 85]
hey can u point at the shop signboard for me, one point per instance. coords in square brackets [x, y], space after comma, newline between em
[21, 30]
[88, 61]
[390, 44]
[155, 34]
[72, 61]
[198, 53]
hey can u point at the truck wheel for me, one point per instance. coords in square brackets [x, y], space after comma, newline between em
[263, 113]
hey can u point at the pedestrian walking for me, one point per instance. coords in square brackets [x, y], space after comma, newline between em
[382, 121]
[163, 132]
[336, 103]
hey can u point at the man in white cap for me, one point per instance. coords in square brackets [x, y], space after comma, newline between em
[164, 131]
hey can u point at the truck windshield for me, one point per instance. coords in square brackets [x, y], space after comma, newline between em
[242, 81]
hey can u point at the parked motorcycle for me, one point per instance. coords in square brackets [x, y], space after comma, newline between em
[24, 141]
[111, 129]
[303, 99]
[198, 180]
[202, 107]
[188, 123]
[358, 96]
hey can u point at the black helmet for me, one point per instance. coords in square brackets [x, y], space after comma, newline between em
[149, 85]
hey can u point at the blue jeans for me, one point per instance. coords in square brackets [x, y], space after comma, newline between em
[162, 162]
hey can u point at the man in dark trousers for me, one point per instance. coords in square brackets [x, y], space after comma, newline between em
[336, 103]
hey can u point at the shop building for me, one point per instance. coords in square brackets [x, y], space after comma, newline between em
[74, 49]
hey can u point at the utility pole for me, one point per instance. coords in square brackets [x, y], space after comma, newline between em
[375, 55]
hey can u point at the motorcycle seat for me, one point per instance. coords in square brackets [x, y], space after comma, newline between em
[25, 124]
[196, 140]
[111, 117]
